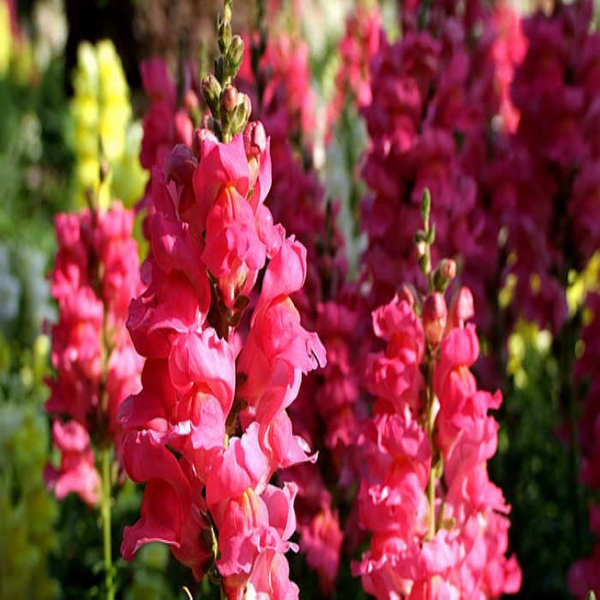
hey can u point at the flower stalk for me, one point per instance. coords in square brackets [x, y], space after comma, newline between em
[105, 513]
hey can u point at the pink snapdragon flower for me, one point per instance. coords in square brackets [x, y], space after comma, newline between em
[217, 382]
[95, 276]
[438, 527]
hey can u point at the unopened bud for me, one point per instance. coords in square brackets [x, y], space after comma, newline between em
[211, 89]
[224, 30]
[461, 308]
[220, 68]
[426, 205]
[190, 101]
[255, 139]
[421, 248]
[227, 12]
[435, 314]
[234, 56]
[240, 116]
[229, 98]
[444, 274]
[448, 268]
[244, 100]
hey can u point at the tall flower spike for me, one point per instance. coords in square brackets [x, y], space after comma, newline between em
[438, 524]
[95, 275]
[209, 428]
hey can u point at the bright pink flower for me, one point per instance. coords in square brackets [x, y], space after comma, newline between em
[223, 169]
[269, 580]
[278, 350]
[95, 275]
[234, 252]
[225, 418]
[407, 446]
[77, 472]
[394, 375]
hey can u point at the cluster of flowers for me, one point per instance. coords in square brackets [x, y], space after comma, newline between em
[438, 524]
[504, 131]
[96, 273]
[547, 177]
[432, 101]
[217, 380]
[356, 48]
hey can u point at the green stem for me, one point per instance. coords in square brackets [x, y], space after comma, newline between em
[105, 513]
[430, 423]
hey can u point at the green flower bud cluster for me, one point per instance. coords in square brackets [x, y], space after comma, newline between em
[230, 109]
[106, 142]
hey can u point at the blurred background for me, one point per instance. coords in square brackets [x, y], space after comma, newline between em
[50, 550]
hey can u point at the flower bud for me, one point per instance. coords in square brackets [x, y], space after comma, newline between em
[211, 89]
[244, 99]
[224, 30]
[444, 274]
[461, 308]
[435, 314]
[240, 116]
[190, 101]
[448, 268]
[235, 54]
[426, 205]
[255, 139]
[229, 98]
[220, 68]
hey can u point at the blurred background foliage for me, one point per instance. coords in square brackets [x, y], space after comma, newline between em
[532, 462]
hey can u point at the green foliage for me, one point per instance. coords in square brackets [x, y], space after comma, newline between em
[28, 513]
[533, 465]
[34, 157]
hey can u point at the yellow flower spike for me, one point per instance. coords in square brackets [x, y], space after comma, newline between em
[581, 283]
[129, 178]
[104, 133]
